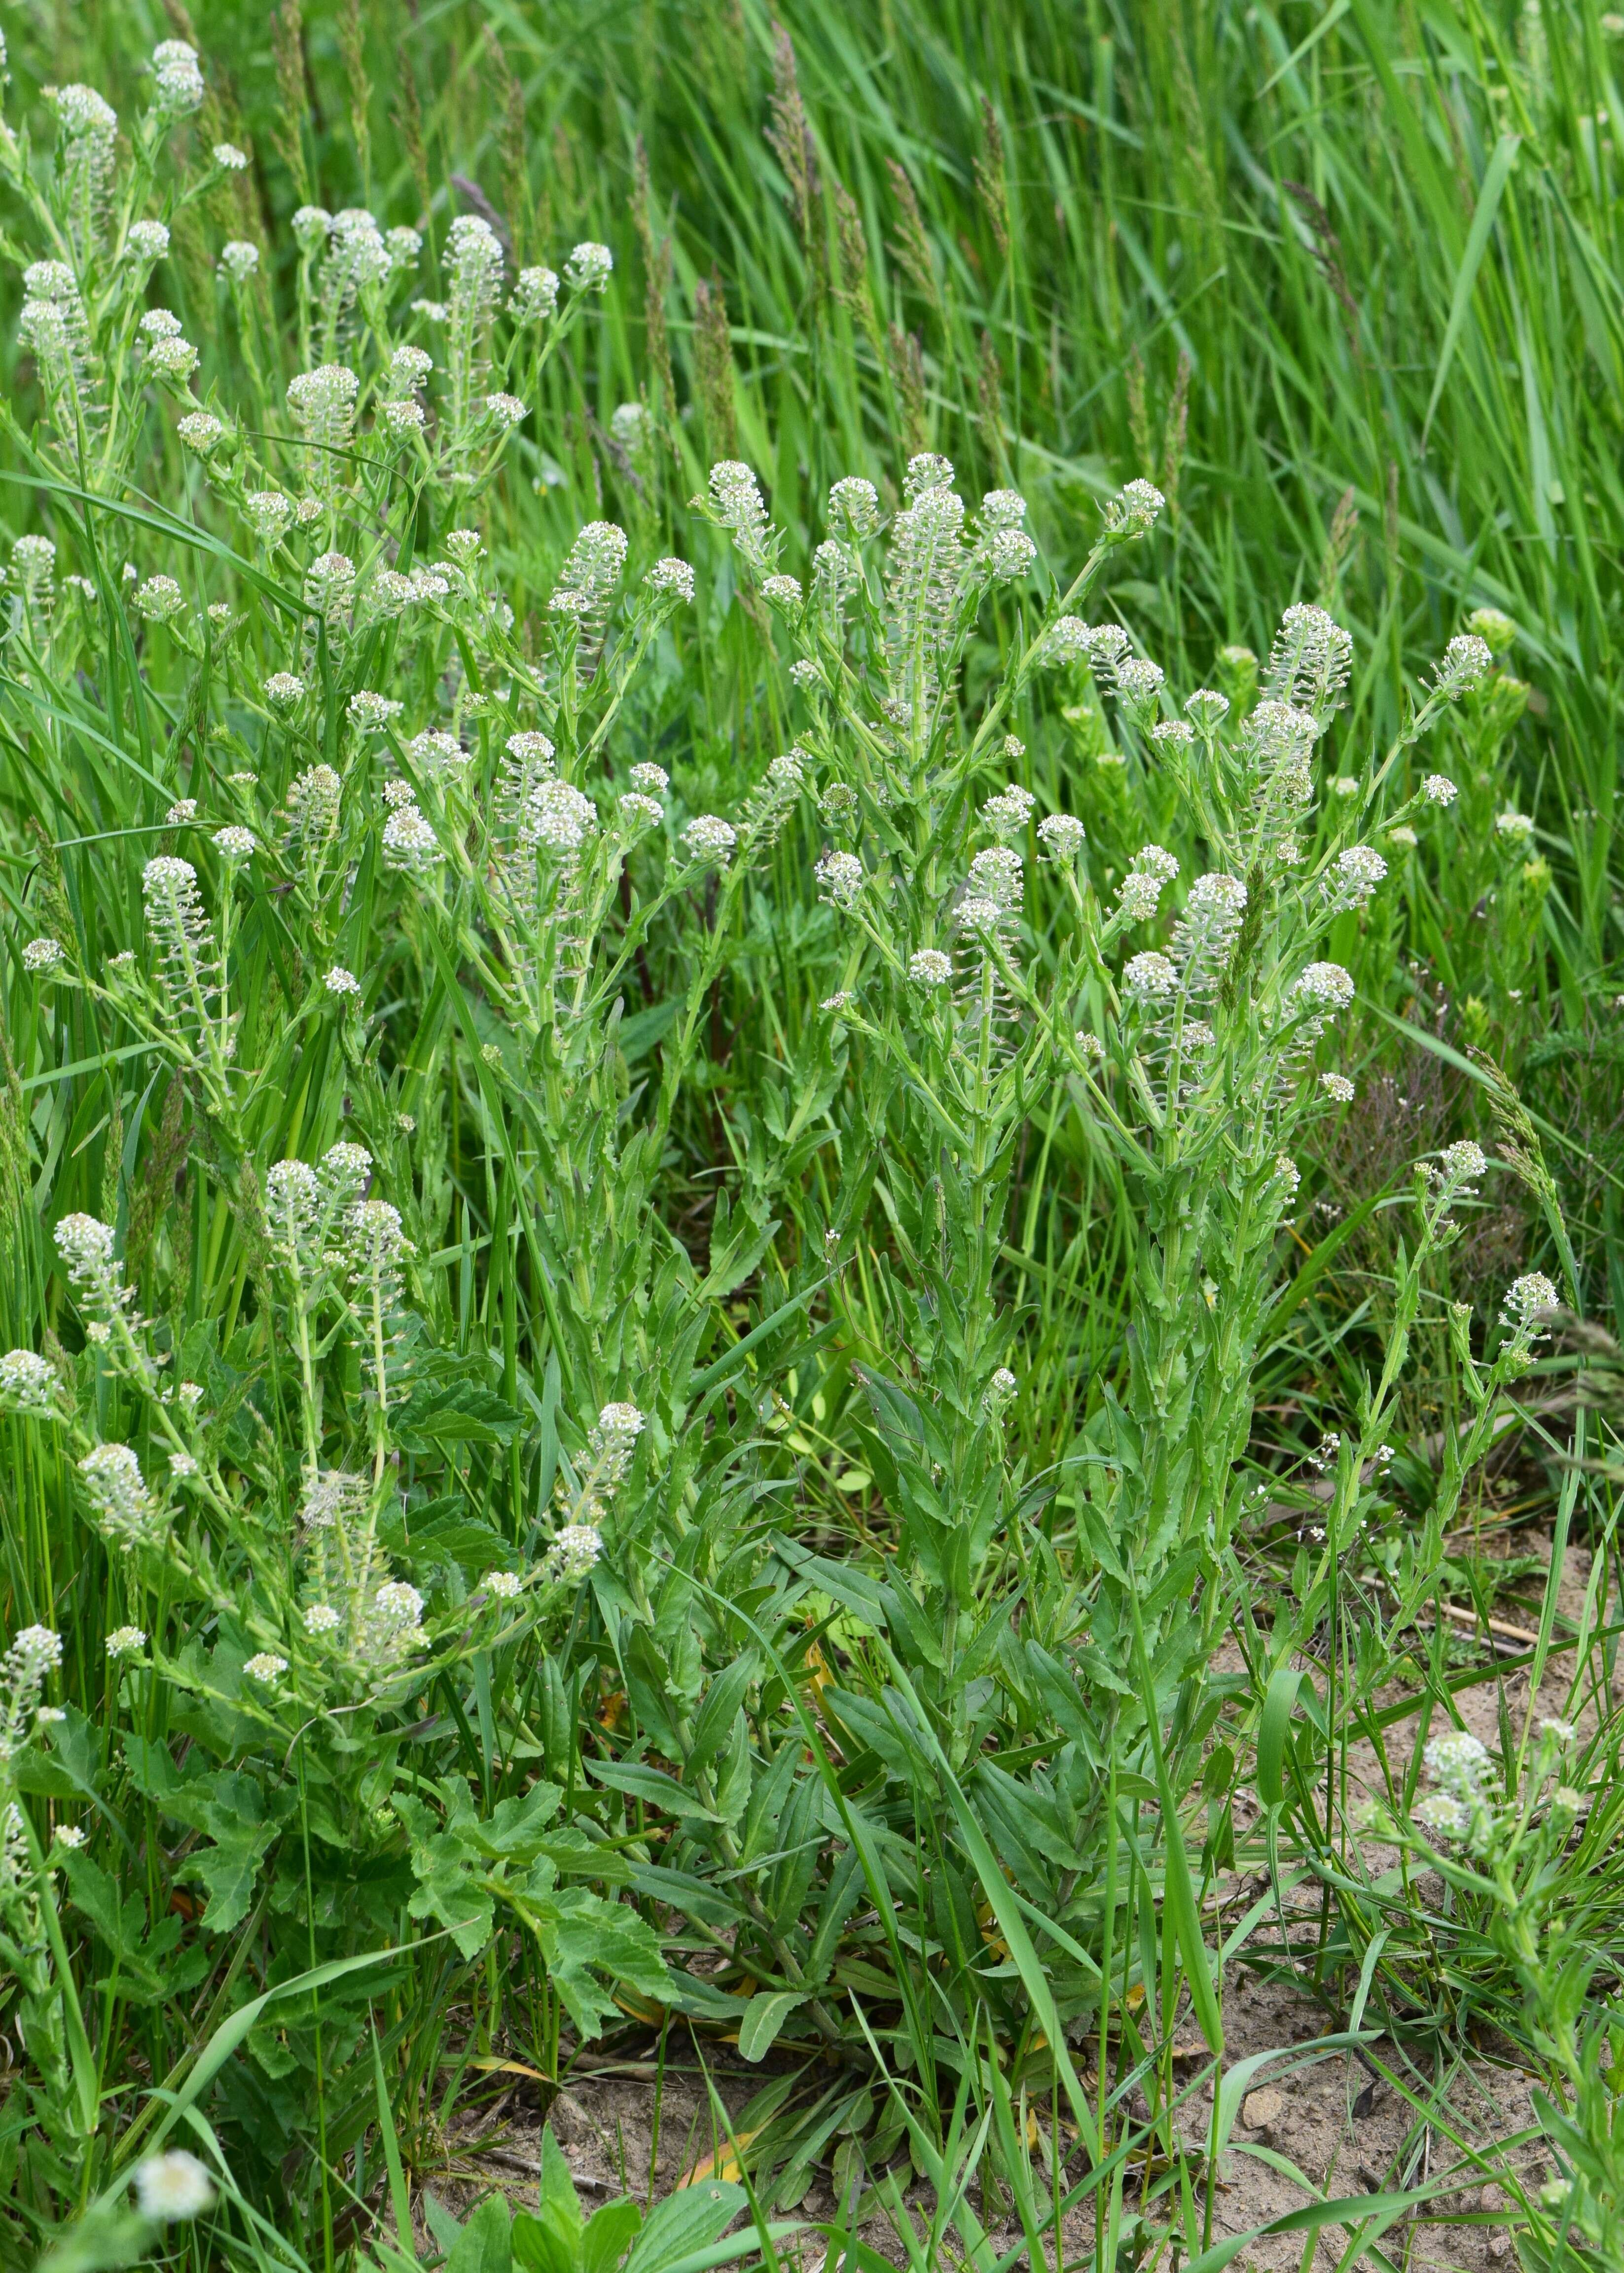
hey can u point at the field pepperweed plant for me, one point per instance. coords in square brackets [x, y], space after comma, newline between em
[578, 1483]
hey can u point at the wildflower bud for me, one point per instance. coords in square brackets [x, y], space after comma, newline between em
[403, 247]
[576, 1547]
[506, 411]
[736, 498]
[1345, 786]
[1403, 836]
[1337, 1087]
[228, 158]
[283, 689]
[652, 780]
[925, 472]
[266, 1666]
[1139, 686]
[343, 983]
[1172, 735]
[535, 296]
[409, 842]
[41, 955]
[1323, 986]
[1003, 509]
[146, 240]
[270, 514]
[1514, 829]
[1460, 1166]
[1010, 554]
[174, 359]
[637, 813]
[238, 260]
[501, 1586]
[995, 874]
[124, 1641]
[1527, 1300]
[1207, 709]
[234, 844]
[1442, 1816]
[1497, 632]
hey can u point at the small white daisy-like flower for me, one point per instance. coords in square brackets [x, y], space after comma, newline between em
[173, 2185]
[1527, 1299]
[283, 689]
[368, 710]
[637, 813]
[124, 1640]
[42, 955]
[229, 158]
[1062, 835]
[238, 260]
[503, 1585]
[927, 966]
[1338, 1086]
[782, 592]
[265, 1665]
[27, 1383]
[841, 876]
[1438, 789]
[652, 780]
[237, 843]
[321, 1618]
[1461, 1163]
[342, 982]
[147, 240]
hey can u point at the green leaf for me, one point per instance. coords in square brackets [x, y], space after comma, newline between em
[685, 2221]
[759, 2029]
[609, 2233]
[1274, 1729]
[460, 1413]
[483, 2245]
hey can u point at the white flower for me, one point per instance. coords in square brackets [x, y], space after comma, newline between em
[1358, 872]
[1092, 1047]
[409, 840]
[1286, 1173]
[182, 1465]
[671, 578]
[69, 1835]
[340, 981]
[265, 1665]
[782, 592]
[1466, 664]
[575, 1548]
[506, 411]
[1149, 978]
[179, 82]
[709, 837]
[1133, 512]
[927, 966]
[1139, 683]
[369, 711]
[229, 158]
[199, 430]
[1338, 1086]
[158, 600]
[503, 1585]
[652, 780]
[1564, 1732]
[588, 267]
[1458, 1761]
[283, 689]
[1512, 828]
[1007, 813]
[27, 1382]
[1324, 986]
[119, 1500]
[835, 1003]
[842, 876]
[977, 913]
[270, 514]
[996, 875]
[321, 1618]
[1461, 1163]
[174, 2185]
[147, 240]
[238, 260]
[173, 359]
[1438, 789]
[1443, 1817]
[124, 1640]
[1403, 836]
[398, 1605]
[1526, 1299]
[535, 296]
[44, 955]
[236, 843]
[638, 813]
[1496, 630]
[854, 503]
